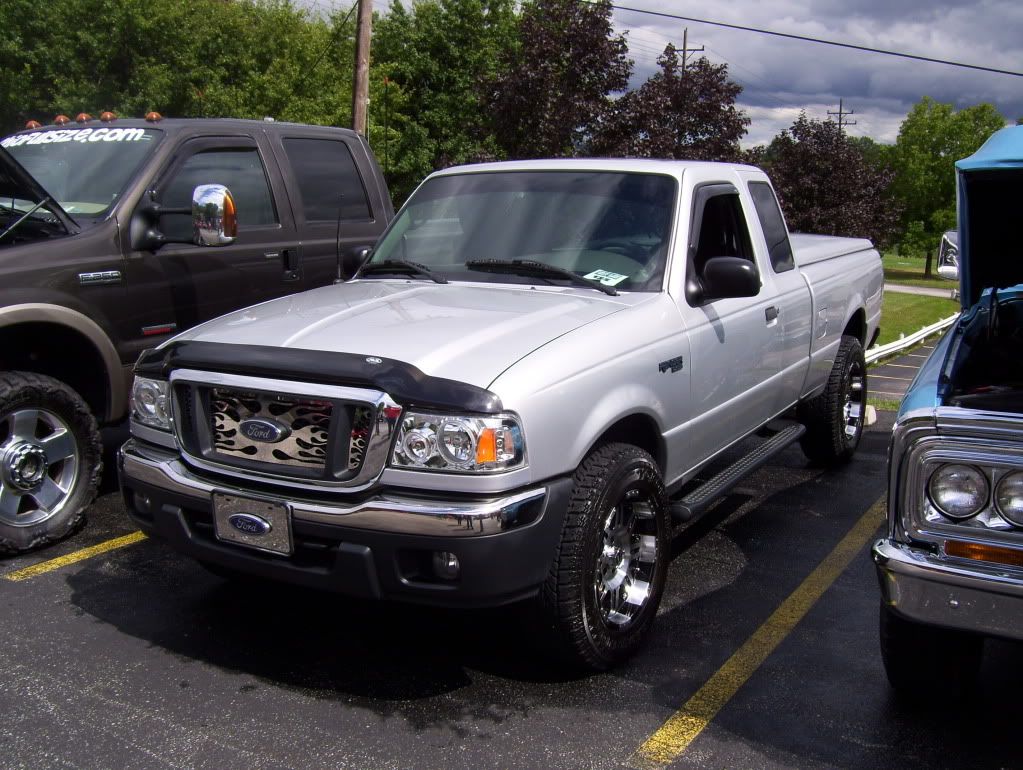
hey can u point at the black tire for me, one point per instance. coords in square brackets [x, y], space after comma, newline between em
[51, 458]
[926, 661]
[834, 420]
[614, 547]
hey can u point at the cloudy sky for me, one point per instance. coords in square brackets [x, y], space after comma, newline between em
[780, 76]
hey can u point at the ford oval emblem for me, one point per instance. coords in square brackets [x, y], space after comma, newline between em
[263, 430]
[250, 524]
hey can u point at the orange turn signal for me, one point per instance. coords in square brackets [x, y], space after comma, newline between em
[981, 552]
[62, 120]
[107, 116]
[486, 446]
[83, 117]
[33, 124]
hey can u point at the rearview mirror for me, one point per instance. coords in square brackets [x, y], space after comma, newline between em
[728, 277]
[214, 216]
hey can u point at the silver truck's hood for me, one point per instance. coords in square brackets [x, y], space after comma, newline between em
[465, 332]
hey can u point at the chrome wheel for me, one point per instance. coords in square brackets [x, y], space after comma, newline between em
[853, 408]
[626, 563]
[38, 466]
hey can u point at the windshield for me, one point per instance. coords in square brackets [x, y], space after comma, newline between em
[609, 227]
[84, 169]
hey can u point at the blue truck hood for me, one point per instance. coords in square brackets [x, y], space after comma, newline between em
[990, 183]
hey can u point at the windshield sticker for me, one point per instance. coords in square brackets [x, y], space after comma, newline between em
[76, 135]
[606, 277]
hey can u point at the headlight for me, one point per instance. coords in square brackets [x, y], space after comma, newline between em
[1009, 498]
[150, 403]
[459, 444]
[958, 491]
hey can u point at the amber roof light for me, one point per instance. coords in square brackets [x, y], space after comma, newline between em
[33, 124]
[154, 117]
[62, 120]
[83, 117]
[107, 117]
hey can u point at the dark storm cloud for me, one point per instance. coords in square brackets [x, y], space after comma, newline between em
[780, 77]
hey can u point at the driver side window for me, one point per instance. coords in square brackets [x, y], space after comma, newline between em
[723, 231]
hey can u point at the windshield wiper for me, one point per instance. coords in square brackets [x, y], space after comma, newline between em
[24, 216]
[401, 267]
[529, 267]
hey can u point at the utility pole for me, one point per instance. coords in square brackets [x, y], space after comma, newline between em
[360, 85]
[686, 49]
[841, 116]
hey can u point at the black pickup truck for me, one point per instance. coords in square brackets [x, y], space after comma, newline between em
[116, 234]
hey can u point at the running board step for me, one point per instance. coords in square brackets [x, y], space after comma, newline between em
[701, 498]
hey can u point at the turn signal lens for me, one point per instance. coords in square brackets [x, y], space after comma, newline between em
[62, 120]
[981, 552]
[486, 447]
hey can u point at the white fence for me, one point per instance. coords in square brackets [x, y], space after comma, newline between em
[878, 352]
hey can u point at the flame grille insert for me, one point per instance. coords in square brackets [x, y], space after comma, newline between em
[306, 420]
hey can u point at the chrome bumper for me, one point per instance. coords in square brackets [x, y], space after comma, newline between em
[384, 513]
[928, 589]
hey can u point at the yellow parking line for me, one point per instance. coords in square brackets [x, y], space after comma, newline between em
[682, 728]
[71, 558]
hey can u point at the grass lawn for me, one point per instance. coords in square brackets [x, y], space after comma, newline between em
[903, 314]
[910, 271]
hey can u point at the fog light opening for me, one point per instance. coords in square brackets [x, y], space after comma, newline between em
[446, 566]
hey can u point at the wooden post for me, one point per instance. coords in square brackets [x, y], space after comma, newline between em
[360, 85]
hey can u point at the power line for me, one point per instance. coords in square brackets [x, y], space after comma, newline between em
[815, 40]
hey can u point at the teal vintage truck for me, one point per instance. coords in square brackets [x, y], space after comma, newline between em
[951, 562]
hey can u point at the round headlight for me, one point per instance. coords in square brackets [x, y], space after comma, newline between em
[420, 445]
[458, 442]
[1009, 498]
[958, 491]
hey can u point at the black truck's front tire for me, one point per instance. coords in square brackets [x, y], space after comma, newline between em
[834, 420]
[606, 580]
[50, 460]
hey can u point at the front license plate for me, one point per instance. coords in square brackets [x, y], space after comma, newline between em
[261, 524]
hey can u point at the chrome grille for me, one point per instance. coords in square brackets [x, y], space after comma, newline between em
[361, 425]
[306, 422]
[313, 436]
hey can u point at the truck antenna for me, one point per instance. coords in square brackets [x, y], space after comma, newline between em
[337, 239]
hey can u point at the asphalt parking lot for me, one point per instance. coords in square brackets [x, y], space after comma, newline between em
[764, 655]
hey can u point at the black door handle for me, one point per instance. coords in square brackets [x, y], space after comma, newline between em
[771, 314]
[289, 257]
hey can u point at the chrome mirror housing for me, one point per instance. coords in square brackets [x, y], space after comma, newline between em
[214, 216]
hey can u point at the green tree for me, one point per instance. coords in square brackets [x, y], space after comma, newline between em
[245, 58]
[677, 113]
[931, 139]
[555, 85]
[435, 55]
[826, 183]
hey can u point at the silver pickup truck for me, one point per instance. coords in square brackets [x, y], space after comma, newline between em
[515, 396]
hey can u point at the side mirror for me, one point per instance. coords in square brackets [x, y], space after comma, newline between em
[725, 277]
[214, 216]
[949, 272]
[353, 259]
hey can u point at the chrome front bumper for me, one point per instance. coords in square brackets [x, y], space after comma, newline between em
[384, 513]
[929, 589]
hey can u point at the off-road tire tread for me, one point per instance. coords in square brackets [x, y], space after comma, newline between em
[560, 593]
[77, 412]
[824, 441]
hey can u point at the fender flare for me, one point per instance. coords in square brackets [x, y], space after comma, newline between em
[39, 312]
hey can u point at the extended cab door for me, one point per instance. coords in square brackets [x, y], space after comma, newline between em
[180, 285]
[732, 339]
[337, 197]
[790, 352]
